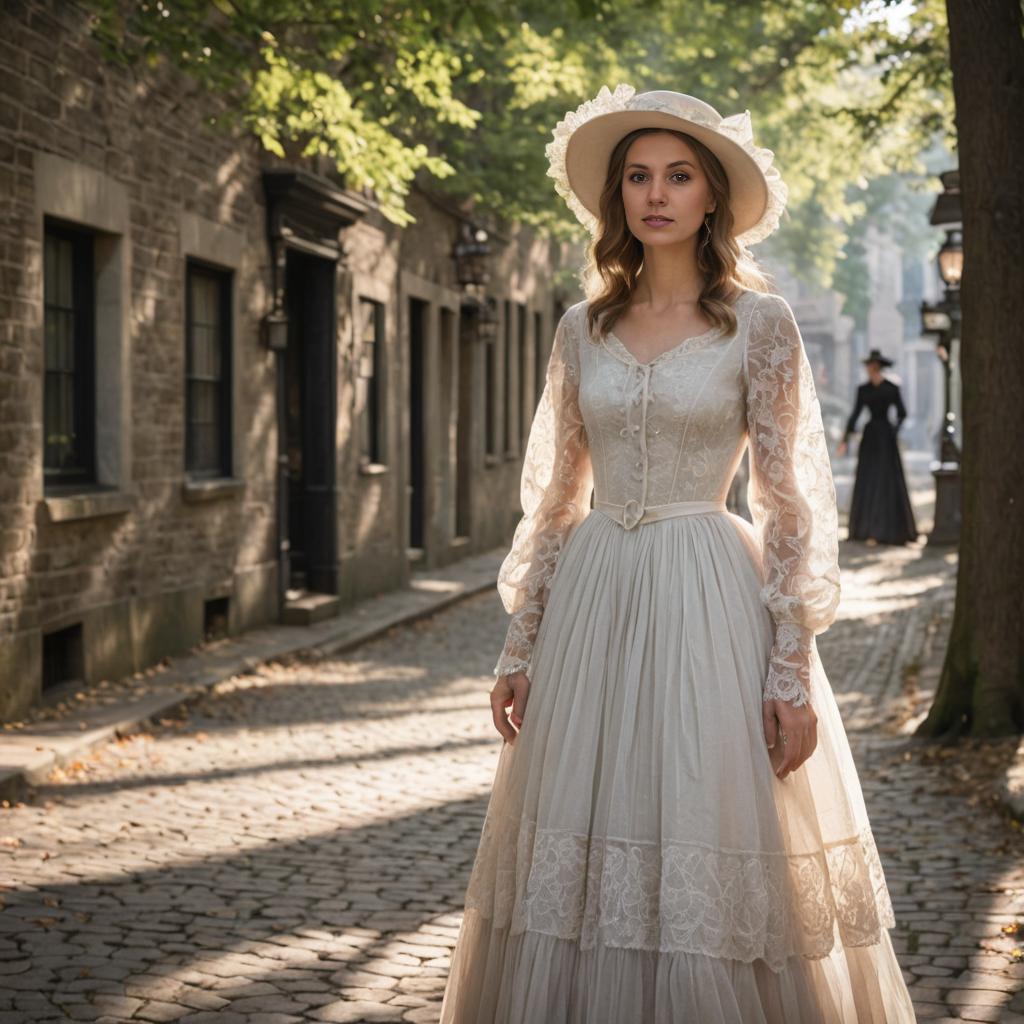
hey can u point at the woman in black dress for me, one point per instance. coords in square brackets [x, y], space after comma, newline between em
[880, 510]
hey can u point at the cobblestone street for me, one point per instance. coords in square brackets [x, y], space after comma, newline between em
[321, 321]
[294, 845]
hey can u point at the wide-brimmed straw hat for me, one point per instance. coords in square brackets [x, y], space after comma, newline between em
[584, 139]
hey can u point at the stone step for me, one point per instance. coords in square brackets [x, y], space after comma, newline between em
[311, 607]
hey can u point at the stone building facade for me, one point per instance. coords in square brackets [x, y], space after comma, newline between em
[231, 392]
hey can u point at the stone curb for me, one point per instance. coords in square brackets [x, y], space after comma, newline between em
[27, 756]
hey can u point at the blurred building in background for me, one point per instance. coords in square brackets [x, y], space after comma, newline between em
[892, 322]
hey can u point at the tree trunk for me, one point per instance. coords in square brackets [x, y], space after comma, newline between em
[981, 690]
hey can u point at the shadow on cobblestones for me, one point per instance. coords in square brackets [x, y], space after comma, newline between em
[307, 927]
[295, 845]
[81, 790]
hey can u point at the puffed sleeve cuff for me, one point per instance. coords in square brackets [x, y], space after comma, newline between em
[518, 648]
[789, 667]
[507, 664]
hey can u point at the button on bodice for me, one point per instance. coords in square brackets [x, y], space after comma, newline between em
[667, 431]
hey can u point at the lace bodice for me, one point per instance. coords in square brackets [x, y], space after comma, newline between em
[674, 429]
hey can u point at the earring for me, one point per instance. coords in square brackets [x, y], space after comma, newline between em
[705, 239]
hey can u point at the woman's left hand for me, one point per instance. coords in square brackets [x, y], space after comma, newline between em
[791, 733]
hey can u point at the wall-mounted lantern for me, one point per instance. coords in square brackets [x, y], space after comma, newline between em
[275, 331]
[470, 254]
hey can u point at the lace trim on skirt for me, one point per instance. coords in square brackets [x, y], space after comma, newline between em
[679, 896]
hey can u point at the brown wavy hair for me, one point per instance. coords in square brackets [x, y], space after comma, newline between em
[616, 255]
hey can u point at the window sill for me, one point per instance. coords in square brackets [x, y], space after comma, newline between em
[492, 460]
[63, 508]
[511, 456]
[373, 468]
[212, 489]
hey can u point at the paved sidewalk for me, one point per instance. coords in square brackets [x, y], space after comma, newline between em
[75, 720]
[292, 842]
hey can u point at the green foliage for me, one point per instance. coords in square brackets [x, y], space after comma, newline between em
[367, 84]
[462, 98]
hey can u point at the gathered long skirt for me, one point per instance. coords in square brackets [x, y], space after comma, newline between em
[880, 506]
[640, 862]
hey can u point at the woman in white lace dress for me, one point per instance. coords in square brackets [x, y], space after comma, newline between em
[676, 830]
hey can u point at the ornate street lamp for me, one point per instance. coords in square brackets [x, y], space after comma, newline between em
[951, 265]
[951, 258]
[943, 320]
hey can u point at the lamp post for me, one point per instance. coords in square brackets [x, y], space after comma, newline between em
[951, 262]
[943, 320]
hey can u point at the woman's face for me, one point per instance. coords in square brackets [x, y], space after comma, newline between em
[665, 193]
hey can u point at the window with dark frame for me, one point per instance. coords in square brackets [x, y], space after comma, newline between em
[69, 327]
[207, 371]
[371, 373]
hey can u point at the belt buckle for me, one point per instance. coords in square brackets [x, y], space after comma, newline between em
[632, 516]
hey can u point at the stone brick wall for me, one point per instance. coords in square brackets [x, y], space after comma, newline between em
[145, 139]
[128, 155]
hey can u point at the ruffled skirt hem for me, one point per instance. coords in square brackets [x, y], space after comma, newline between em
[501, 977]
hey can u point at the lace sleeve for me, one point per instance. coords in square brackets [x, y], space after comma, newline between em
[554, 492]
[791, 496]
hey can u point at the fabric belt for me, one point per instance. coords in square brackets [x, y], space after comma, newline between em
[632, 513]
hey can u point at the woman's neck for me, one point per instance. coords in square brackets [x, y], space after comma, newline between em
[669, 278]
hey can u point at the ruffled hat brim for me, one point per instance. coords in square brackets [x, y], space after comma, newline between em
[583, 141]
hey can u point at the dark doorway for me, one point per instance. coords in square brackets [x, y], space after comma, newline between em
[308, 422]
[468, 319]
[417, 434]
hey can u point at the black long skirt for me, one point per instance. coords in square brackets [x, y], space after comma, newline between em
[880, 508]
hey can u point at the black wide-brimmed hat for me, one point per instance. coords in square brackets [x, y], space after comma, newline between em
[875, 356]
